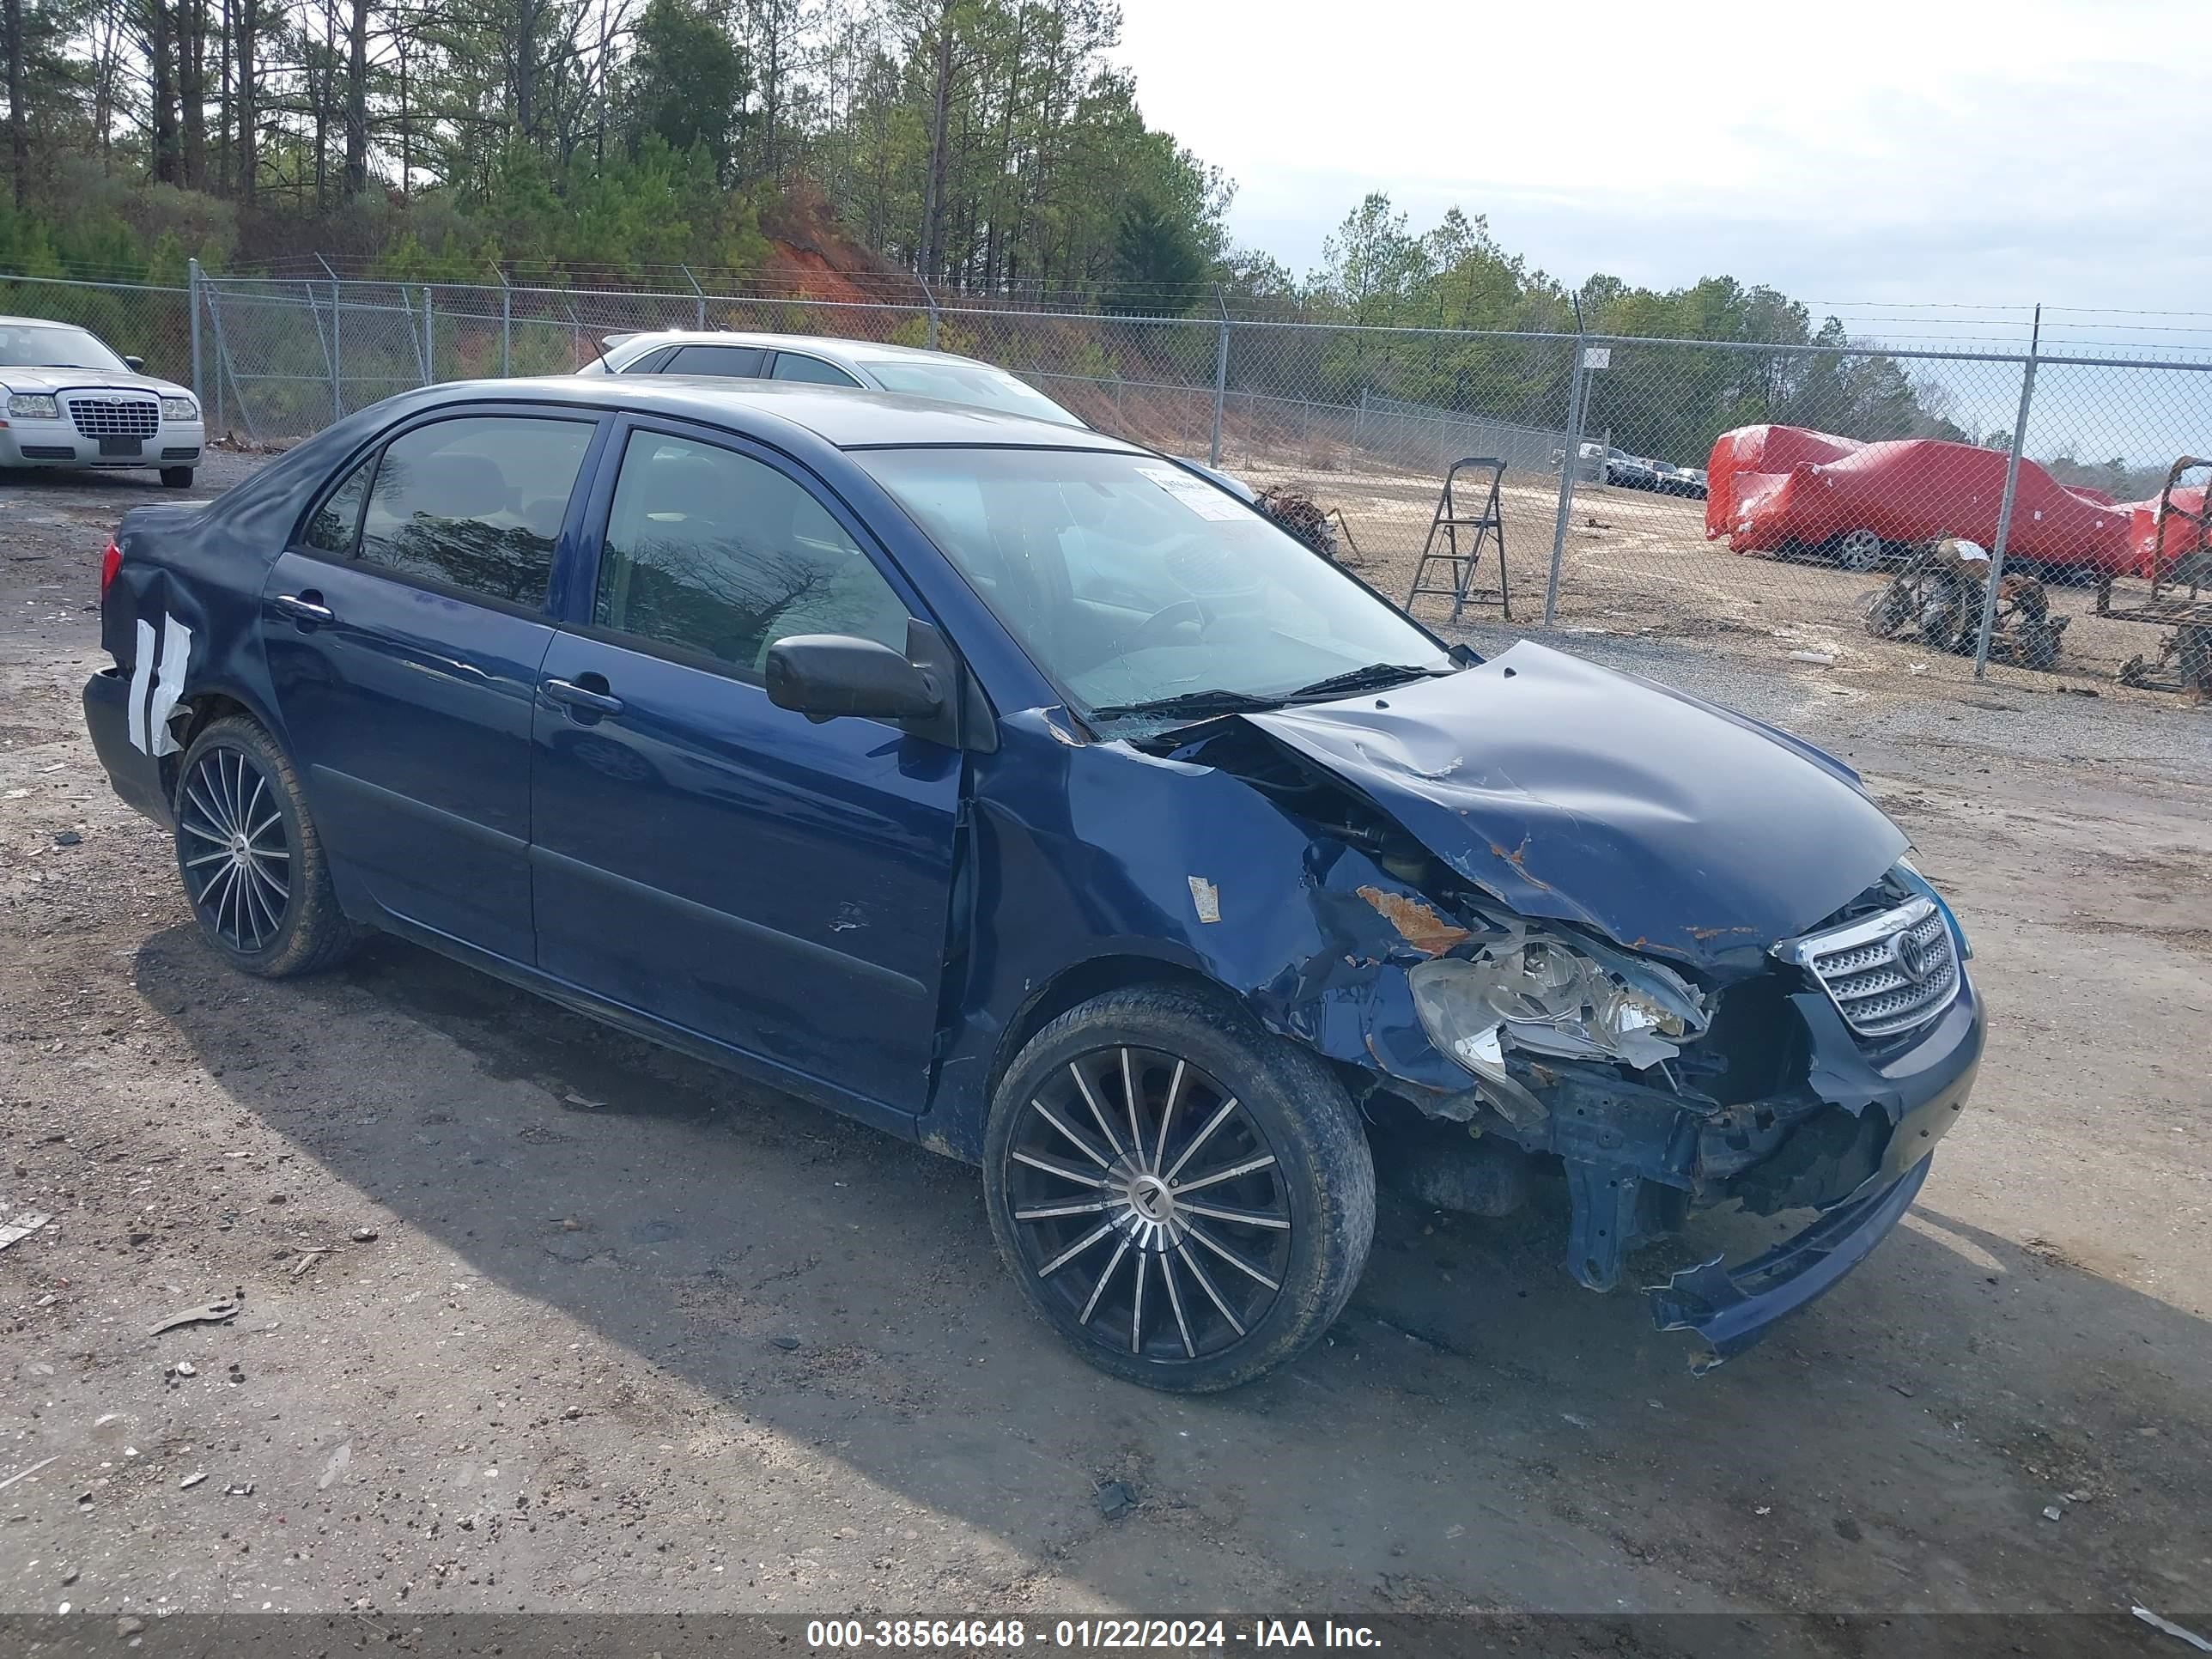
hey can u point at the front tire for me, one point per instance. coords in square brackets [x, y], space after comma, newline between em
[1860, 550]
[1187, 1199]
[250, 857]
[176, 478]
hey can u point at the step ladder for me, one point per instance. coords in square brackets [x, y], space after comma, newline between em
[1460, 561]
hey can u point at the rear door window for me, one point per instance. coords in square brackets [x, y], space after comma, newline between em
[475, 503]
[741, 361]
[796, 366]
[335, 525]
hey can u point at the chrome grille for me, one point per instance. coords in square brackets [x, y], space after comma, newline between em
[115, 417]
[1886, 974]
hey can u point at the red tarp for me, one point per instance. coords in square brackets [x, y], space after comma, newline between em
[2180, 534]
[1772, 487]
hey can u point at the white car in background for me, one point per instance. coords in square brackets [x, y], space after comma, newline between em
[72, 402]
[824, 360]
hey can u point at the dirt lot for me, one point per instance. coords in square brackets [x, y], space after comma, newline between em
[624, 1333]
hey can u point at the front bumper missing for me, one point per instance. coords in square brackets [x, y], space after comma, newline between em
[1731, 1311]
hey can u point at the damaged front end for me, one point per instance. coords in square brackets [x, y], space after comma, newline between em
[1661, 1095]
[1778, 1071]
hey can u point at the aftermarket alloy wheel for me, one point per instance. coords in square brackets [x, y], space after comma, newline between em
[1186, 1198]
[252, 863]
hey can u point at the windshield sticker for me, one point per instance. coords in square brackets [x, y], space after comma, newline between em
[1200, 497]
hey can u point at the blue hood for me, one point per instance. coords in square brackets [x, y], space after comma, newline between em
[1571, 792]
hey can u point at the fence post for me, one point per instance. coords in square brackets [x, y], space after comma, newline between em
[2004, 506]
[700, 292]
[1220, 379]
[215, 324]
[505, 326]
[429, 340]
[1569, 459]
[223, 366]
[337, 352]
[329, 343]
[929, 299]
[337, 344]
[192, 287]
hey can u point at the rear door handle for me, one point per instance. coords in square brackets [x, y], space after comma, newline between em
[301, 608]
[582, 697]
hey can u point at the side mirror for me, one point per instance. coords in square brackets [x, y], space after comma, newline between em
[136, 364]
[823, 675]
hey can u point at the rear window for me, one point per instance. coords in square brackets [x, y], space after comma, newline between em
[475, 503]
[741, 361]
[976, 384]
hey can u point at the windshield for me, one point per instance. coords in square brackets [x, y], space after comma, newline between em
[978, 384]
[1128, 582]
[36, 345]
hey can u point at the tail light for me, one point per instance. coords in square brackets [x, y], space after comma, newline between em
[110, 562]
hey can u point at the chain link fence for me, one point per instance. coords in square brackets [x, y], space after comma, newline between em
[1840, 507]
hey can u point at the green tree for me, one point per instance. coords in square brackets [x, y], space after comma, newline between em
[687, 82]
[1157, 262]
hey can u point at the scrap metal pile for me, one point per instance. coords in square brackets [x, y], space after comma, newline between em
[1316, 525]
[1937, 599]
[2180, 596]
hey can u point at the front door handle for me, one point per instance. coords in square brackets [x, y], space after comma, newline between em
[306, 609]
[583, 697]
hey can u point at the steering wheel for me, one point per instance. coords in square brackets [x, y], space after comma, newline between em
[1173, 615]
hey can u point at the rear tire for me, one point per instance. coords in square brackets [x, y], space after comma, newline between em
[250, 858]
[177, 478]
[1186, 1198]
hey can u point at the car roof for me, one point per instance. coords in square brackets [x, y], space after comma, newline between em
[835, 349]
[848, 418]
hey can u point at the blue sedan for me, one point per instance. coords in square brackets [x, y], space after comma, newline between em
[1024, 792]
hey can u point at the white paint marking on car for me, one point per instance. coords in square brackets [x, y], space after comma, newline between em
[148, 715]
[176, 655]
[141, 673]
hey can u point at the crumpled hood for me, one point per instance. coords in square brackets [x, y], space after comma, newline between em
[78, 379]
[1571, 792]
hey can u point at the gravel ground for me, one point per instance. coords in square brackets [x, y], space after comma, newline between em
[532, 1316]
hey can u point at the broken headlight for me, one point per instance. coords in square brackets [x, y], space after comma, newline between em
[1539, 992]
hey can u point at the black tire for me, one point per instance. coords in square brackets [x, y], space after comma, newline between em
[266, 907]
[1307, 1187]
[177, 478]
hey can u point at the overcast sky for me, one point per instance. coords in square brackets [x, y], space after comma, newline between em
[1944, 151]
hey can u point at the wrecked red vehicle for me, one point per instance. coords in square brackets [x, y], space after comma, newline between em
[1786, 490]
[2156, 552]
